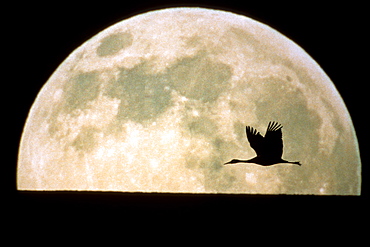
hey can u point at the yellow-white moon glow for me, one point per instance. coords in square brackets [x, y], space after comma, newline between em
[159, 102]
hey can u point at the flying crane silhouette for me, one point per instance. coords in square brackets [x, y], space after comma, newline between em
[269, 149]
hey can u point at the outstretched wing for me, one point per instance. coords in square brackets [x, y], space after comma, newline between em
[255, 139]
[273, 141]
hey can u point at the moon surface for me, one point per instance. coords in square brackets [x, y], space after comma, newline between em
[159, 102]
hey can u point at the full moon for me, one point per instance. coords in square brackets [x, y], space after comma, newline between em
[159, 102]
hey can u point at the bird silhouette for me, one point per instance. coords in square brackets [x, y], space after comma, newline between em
[269, 149]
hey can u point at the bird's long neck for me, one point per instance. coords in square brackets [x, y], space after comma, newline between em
[234, 161]
[253, 160]
[245, 161]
